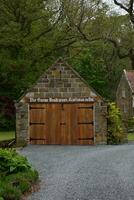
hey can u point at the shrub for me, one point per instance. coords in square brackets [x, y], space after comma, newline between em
[8, 192]
[12, 162]
[115, 127]
[32, 175]
[7, 114]
[23, 180]
[16, 175]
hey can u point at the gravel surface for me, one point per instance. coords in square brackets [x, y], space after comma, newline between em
[83, 172]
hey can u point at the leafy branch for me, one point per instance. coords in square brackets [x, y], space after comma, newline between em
[129, 9]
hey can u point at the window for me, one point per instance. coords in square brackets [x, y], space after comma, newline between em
[133, 101]
[123, 93]
[125, 108]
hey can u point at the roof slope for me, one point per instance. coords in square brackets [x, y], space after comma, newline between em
[130, 78]
[60, 81]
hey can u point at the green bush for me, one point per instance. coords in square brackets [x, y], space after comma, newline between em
[8, 192]
[115, 126]
[12, 162]
[23, 180]
[31, 175]
[16, 175]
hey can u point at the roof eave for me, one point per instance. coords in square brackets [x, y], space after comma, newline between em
[128, 81]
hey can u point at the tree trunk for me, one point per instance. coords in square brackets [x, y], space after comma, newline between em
[131, 56]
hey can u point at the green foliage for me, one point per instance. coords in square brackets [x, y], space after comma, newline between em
[16, 175]
[12, 162]
[115, 129]
[17, 180]
[14, 185]
[34, 33]
[8, 192]
[7, 114]
[6, 124]
[30, 176]
[94, 71]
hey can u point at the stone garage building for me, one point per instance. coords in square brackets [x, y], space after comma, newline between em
[125, 95]
[61, 108]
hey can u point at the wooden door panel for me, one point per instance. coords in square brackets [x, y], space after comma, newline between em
[85, 123]
[38, 124]
[85, 132]
[86, 142]
[37, 113]
[73, 123]
[65, 124]
[38, 116]
[38, 131]
[70, 120]
[85, 113]
[37, 134]
[52, 123]
[38, 106]
[61, 123]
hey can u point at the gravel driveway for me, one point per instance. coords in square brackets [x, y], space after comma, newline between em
[83, 172]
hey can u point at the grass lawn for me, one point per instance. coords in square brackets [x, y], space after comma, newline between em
[131, 137]
[7, 135]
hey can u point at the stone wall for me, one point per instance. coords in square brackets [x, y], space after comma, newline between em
[124, 101]
[22, 122]
[100, 124]
[60, 81]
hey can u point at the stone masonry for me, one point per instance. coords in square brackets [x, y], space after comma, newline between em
[22, 123]
[60, 81]
[125, 95]
[100, 124]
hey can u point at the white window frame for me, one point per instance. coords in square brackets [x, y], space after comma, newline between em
[125, 109]
[123, 93]
[133, 101]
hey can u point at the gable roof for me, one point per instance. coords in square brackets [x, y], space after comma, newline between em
[59, 81]
[130, 78]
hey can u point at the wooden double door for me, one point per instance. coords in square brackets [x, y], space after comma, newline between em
[65, 123]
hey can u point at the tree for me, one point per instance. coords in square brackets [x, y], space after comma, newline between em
[92, 71]
[93, 22]
[127, 6]
[32, 35]
[35, 32]
[100, 73]
[31, 32]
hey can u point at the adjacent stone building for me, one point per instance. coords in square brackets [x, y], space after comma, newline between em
[61, 108]
[125, 95]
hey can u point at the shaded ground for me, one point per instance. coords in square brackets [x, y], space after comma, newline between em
[83, 172]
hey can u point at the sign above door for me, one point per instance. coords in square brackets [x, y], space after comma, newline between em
[60, 100]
